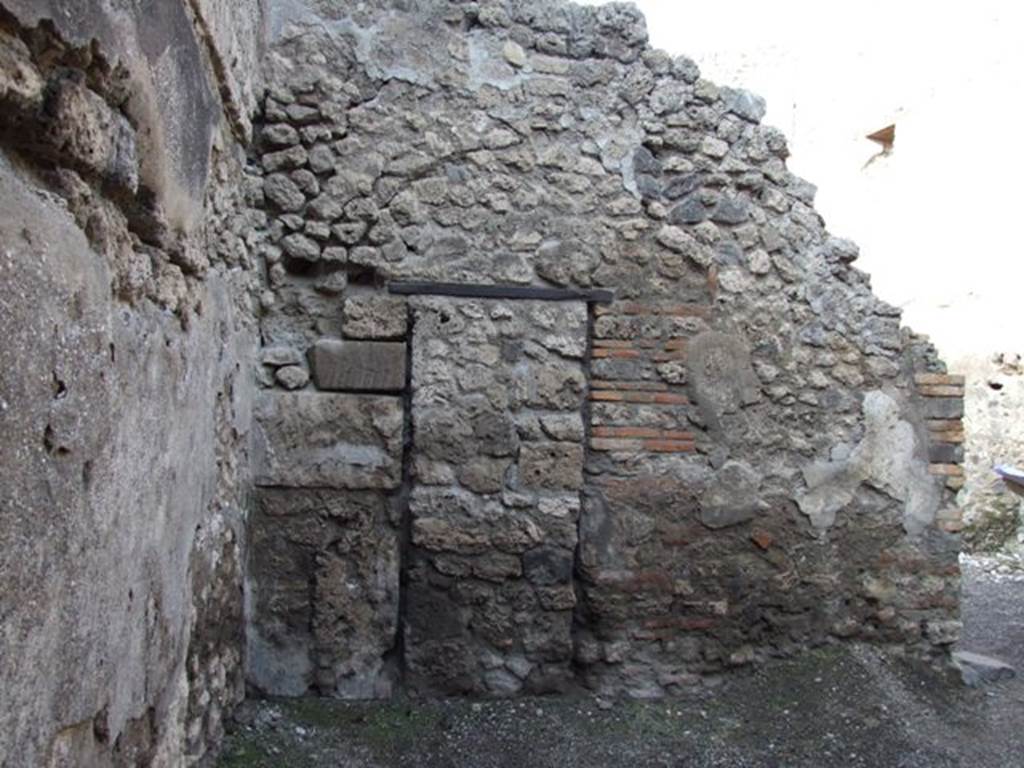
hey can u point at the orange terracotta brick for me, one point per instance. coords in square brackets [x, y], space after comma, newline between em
[654, 386]
[763, 539]
[631, 396]
[669, 446]
[670, 398]
[947, 437]
[939, 379]
[940, 390]
[946, 470]
[676, 434]
[615, 353]
[634, 432]
[942, 425]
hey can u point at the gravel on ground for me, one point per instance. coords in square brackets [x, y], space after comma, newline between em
[843, 705]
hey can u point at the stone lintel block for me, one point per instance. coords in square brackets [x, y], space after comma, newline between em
[359, 366]
[310, 439]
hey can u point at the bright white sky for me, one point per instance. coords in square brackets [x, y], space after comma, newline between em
[936, 219]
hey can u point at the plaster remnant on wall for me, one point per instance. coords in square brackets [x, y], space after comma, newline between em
[888, 458]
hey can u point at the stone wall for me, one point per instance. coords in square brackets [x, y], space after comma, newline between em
[768, 459]
[125, 383]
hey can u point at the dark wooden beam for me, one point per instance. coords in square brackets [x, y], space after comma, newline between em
[478, 291]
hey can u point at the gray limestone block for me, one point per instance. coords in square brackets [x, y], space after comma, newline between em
[548, 566]
[360, 366]
[292, 376]
[976, 669]
[281, 355]
[280, 135]
[301, 247]
[284, 193]
[747, 105]
[721, 376]
[943, 407]
[328, 440]
[730, 211]
[945, 453]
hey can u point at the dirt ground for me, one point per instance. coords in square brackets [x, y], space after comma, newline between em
[844, 706]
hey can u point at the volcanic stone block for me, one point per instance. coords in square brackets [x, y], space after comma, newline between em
[976, 669]
[553, 466]
[308, 440]
[324, 577]
[359, 366]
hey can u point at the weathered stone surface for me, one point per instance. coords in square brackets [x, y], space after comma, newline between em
[282, 355]
[292, 376]
[721, 376]
[298, 246]
[551, 466]
[887, 457]
[368, 366]
[170, 80]
[977, 670]
[97, 423]
[325, 440]
[332, 639]
[731, 497]
[430, 146]
[137, 402]
[747, 105]
[372, 316]
[503, 534]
